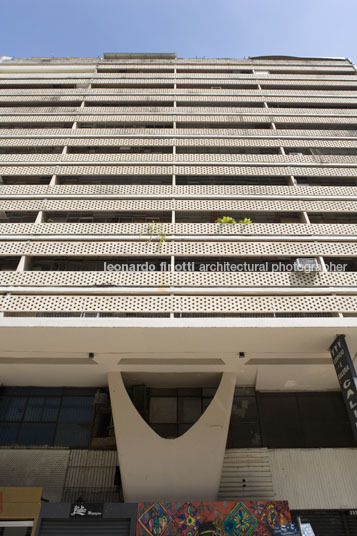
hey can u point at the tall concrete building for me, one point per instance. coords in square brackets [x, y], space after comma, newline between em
[178, 252]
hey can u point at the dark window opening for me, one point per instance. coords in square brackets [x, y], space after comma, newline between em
[346, 264]
[218, 85]
[8, 264]
[333, 217]
[98, 264]
[134, 70]
[17, 217]
[122, 124]
[317, 126]
[55, 102]
[124, 149]
[316, 151]
[244, 427]
[170, 412]
[107, 217]
[326, 181]
[31, 416]
[219, 104]
[230, 180]
[116, 85]
[214, 71]
[31, 150]
[239, 125]
[313, 105]
[228, 264]
[35, 124]
[115, 180]
[227, 150]
[40, 85]
[311, 420]
[210, 216]
[310, 87]
[23, 180]
[128, 104]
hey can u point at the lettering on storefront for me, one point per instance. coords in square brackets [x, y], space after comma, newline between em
[86, 510]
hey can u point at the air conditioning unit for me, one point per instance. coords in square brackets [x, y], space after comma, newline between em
[306, 265]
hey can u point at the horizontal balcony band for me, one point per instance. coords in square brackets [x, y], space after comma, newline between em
[179, 304]
[278, 137]
[337, 61]
[178, 205]
[177, 279]
[193, 63]
[179, 78]
[132, 231]
[177, 114]
[79, 237]
[143, 109]
[261, 96]
[195, 79]
[122, 168]
[224, 133]
[167, 72]
[325, 93]
[191, 142]
[85, 191]
[174, 160]
[153, 196]
[261, 117]
[166, 290]
[100, 248]
[98, 77]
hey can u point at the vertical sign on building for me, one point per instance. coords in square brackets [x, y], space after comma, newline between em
[346, 376]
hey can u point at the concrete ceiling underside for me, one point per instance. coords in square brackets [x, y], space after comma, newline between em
[269, 354]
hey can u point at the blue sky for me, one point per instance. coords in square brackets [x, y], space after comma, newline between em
[202, 28]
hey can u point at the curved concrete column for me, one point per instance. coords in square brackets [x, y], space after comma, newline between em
[186, 468]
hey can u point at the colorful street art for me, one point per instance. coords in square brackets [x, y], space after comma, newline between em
[226, 518]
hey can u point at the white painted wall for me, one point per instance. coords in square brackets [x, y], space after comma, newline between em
[315, 478]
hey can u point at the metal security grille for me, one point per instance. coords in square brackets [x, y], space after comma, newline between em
[84, 527]
[352, 525]
[328, 522]
[15, 531]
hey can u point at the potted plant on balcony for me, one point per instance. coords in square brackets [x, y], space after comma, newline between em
[227, 220]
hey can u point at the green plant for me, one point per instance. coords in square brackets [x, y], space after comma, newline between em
[158, 231]
[226, 219]
[245, 221]
[151, 230]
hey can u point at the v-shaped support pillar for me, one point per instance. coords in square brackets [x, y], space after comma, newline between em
[186, 468]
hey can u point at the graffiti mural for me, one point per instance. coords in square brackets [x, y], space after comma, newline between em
[226, 518]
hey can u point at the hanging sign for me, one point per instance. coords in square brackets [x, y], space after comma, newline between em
[346, 376]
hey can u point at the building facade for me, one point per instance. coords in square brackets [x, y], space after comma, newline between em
[178, 252]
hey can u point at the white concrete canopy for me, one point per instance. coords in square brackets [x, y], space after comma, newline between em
[280, 354]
